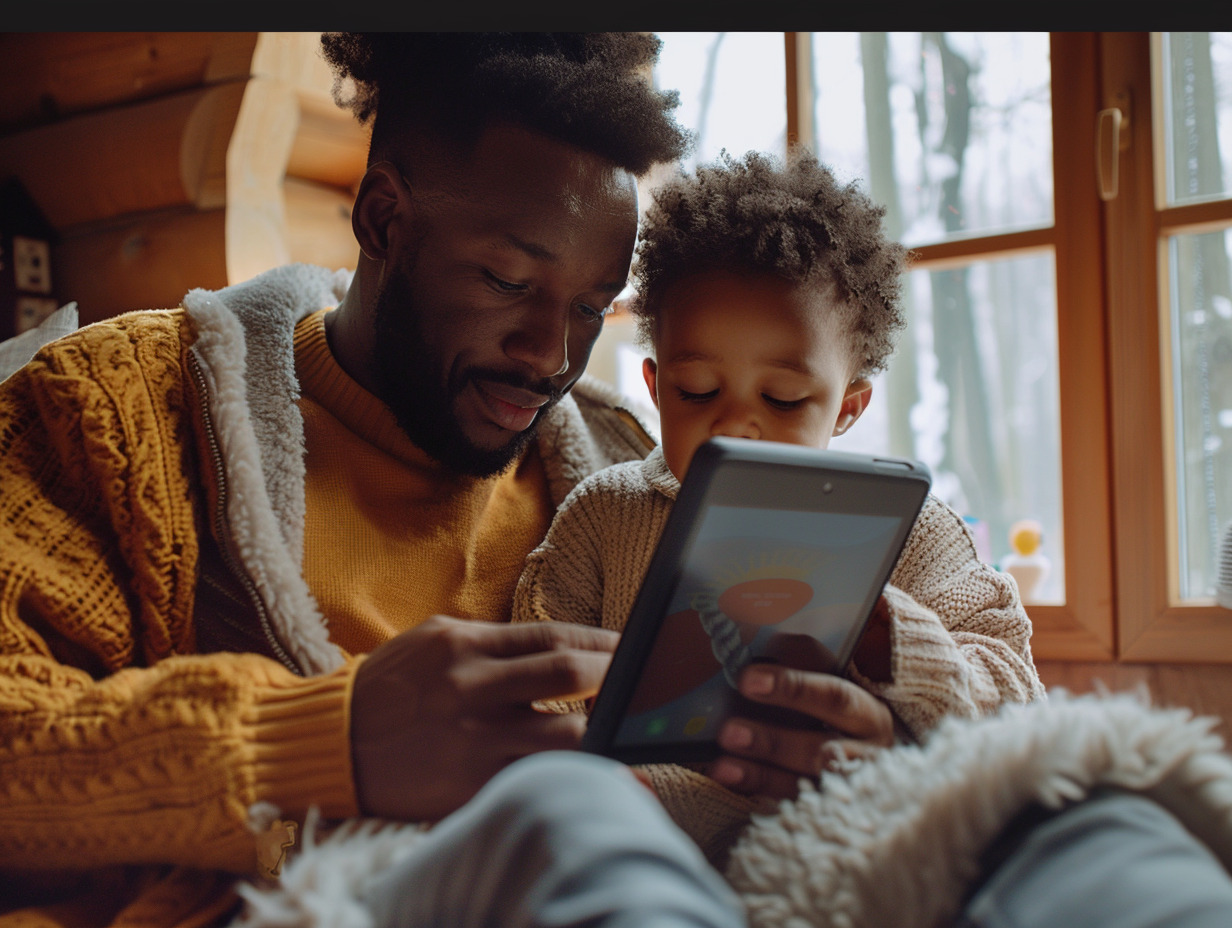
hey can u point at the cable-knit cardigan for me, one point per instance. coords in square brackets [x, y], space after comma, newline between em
[148, 464]
[959, 635]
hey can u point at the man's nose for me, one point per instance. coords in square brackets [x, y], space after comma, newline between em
[541, 340]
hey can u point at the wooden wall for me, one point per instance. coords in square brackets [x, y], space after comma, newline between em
[172, 160]
[1204, 689]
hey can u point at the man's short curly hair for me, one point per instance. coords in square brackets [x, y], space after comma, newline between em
[592, 90]
[793, 220]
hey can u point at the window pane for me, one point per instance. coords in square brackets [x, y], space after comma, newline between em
[1197, 72]
[617, 359]
[733, 89]
[973, 392]
[1201, 314]
[958, 124]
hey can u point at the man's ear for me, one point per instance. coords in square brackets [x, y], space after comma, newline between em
[382, 195]
[855, 401]
[650, 373]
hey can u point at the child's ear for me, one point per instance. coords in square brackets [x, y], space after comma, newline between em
[855, 401]
[650, 372]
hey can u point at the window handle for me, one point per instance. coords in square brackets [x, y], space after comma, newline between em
[1111, 138]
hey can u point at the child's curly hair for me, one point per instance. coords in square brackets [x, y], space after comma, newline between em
[592, 89]
[791, 220]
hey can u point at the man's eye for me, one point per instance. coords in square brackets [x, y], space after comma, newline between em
[591, 314]
[781, 404]
[696, 397]
[504, 284]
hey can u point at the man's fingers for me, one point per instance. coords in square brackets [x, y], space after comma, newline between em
[525, 731]
[748, 776]
[767, 758]
[500, 639]
[554, 674]
[801, 753]
[837, 702]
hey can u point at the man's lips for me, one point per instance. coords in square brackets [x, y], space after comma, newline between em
[510, 407]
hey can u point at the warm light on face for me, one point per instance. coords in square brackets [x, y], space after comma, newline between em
[749, 357]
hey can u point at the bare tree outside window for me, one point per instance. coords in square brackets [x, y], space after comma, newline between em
[951, 132]
[1197, 70]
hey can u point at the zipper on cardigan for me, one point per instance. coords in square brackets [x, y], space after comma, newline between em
[220, 523]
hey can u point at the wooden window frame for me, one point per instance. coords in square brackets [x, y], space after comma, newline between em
[1117, 469]
[1154, 623]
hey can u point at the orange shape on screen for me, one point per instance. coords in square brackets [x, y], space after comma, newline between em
[680, 660]
[765, 601]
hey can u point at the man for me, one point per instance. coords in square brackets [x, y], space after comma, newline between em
[257, 554]
[213, 514]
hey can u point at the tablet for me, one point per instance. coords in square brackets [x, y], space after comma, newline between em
[772, 552]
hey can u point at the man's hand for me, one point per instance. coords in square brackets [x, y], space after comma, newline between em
[440, 709]
[768, 760]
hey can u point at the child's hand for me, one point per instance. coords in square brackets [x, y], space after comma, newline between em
[768, 760]
[872, 654]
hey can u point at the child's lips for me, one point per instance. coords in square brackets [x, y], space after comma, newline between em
[510, 407]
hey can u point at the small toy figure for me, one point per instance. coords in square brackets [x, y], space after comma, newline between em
[1025, 562]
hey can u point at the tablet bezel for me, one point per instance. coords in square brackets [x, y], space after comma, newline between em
[724, 471]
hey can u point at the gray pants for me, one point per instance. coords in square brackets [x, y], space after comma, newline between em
[1117, 860]
[556, 839]
[569, 839]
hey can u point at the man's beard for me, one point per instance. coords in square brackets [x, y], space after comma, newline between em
[414, 386]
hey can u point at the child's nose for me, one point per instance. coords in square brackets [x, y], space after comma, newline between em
[736, 421]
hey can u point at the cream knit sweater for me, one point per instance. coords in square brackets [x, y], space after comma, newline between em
[959, 634]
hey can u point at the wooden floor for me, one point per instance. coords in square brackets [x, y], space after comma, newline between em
[1204, 688]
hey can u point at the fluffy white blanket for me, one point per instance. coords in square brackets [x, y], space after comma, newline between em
[892, 841]
[895, 840]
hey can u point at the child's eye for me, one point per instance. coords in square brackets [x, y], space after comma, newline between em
[781, 404]
[696, 397]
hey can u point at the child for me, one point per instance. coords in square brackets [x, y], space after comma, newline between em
[768, 296]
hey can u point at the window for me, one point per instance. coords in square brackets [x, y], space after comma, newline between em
[953, 134]
[1069, 352]
[1170, 337]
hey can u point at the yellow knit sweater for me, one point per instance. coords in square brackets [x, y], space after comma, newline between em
[392, 537]
[101, 763]
[152, 514]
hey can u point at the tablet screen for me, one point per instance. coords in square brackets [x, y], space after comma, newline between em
[757, 584]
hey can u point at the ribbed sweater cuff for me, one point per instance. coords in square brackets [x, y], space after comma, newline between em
[303, 744]
[929, 675]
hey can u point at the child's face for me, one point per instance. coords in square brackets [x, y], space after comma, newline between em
[750, 357]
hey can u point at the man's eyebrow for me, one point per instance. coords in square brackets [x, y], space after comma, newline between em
[530, 248]
[545, 254]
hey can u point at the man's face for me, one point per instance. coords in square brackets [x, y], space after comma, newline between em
[492, 299]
